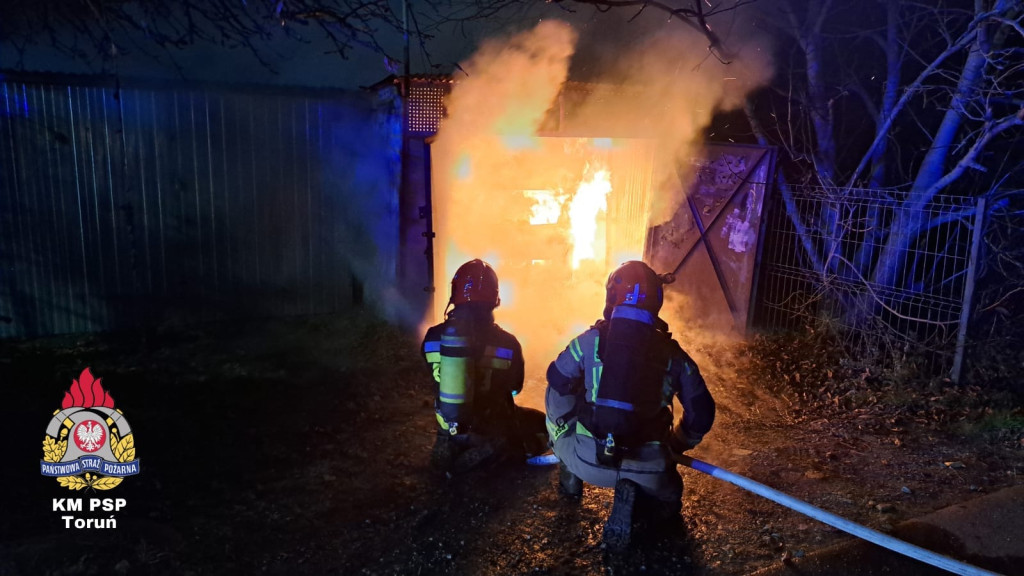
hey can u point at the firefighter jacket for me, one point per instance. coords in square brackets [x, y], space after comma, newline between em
[496, 365]
[578, 371]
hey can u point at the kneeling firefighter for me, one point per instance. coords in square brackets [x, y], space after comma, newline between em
[478, 369]
[609, 404]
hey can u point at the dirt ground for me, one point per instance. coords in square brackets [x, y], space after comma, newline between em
[301, 447]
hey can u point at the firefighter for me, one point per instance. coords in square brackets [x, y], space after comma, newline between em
[609, 404]
[478, 369]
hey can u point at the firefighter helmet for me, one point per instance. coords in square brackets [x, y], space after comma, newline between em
[475, 281]
[635, 284]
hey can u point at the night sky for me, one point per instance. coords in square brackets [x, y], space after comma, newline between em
[310, 61]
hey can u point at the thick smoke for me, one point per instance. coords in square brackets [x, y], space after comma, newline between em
[655, 102]
[509, 84]
[484, 157]
[674, 86]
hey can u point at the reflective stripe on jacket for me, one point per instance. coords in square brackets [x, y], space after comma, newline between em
[577, 371]
[499, 376]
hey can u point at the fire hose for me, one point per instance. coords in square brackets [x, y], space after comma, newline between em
[863, 532]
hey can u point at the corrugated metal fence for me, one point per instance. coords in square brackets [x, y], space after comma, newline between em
[124, 206]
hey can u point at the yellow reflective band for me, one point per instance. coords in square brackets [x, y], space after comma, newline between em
[433, 357]
[581, 429]
[577, 351]
[440, 420]
[555, 431]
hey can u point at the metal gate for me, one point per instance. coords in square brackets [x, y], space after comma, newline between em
[711, 242]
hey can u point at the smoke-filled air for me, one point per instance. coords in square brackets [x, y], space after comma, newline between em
[555, 183]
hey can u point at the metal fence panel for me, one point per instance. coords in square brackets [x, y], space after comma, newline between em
[914, 319]
[127, 206]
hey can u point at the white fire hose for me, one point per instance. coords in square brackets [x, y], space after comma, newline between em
[894, 544]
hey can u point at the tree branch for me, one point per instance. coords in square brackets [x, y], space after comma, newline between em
[787, 195]
[910, 90]
[695, 18]
[969, 160]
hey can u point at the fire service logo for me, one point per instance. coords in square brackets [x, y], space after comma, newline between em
[89, 443]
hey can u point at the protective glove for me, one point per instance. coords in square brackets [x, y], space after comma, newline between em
[679, 441]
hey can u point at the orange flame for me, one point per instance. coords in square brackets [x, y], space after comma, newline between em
[587, 205]
[552, 210]
[547, 207]
[552, 219]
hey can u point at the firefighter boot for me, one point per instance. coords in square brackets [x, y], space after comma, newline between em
[658, 515]
[569, 483]
[619, 527]
[443, 455]
[481, 451]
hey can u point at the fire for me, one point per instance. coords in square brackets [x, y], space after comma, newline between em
[553, 219]
[555, 185]
[547, 206]
[586, 210]
[589, 202]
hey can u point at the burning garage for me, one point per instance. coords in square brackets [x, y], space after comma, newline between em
[557, 182]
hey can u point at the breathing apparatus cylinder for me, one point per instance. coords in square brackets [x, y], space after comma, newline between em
[458, 375]
[625, 410]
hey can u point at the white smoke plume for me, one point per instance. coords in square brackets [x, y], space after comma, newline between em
[488, 158]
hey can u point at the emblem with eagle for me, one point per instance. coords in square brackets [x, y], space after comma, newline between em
[89, 435]
[102, 448]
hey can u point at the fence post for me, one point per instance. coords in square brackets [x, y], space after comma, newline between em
[965, 312]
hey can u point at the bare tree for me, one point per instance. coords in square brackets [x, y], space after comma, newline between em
[945, 103]
[695, 14]
[99, 30]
